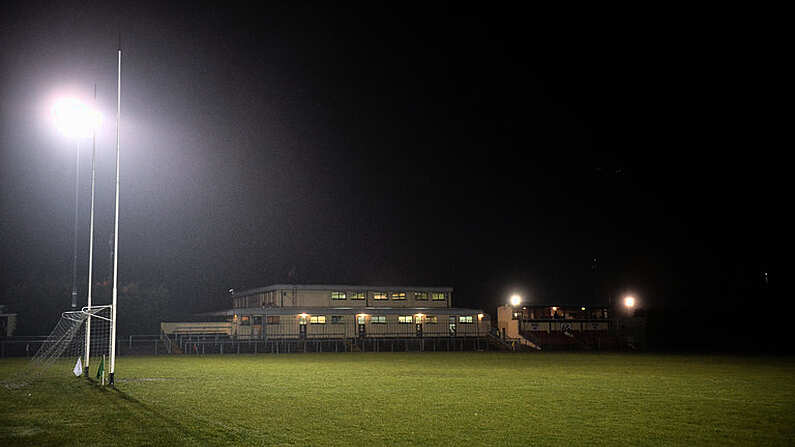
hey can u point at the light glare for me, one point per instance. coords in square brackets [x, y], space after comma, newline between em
[516, 300]
[73, 118]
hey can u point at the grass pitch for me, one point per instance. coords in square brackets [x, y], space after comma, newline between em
[423, 399]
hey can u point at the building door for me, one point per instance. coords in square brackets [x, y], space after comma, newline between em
[418, 327]
[451, 326]
[360, 327]
[256, 326]
[302, 328]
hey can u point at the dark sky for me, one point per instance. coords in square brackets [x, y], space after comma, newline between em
[486, 148]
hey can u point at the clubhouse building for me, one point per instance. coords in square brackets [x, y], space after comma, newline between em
[370, 317]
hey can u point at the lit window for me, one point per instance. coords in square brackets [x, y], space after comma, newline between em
[466, 319]
[337, 295]
[421, 296]
[431, 319]
[378, 319]
[361, 318]
[317, 319]
[405, 319]
[337, 319]
[379, 295]
[357, 295]
[438, 296]
[398, 295]
[245, 321]
[273, 319]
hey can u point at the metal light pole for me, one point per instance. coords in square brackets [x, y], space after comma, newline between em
[77, 198]
[74, 119]
[91, 236]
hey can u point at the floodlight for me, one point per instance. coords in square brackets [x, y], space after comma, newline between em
[74, 119]
[516, 300]
[629, 302]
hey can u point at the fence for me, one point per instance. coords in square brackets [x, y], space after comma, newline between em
[220, 344]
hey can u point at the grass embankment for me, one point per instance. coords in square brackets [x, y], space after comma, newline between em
[411, 399]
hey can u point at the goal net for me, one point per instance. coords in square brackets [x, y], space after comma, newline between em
[76, 346]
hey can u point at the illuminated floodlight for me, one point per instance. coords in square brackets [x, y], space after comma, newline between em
[480, 317]
[516, 300]
[74, 119]
[629, 302]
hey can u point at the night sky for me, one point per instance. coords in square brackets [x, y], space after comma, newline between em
[490, 149]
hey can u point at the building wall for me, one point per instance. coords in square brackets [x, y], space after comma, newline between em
[301, 297]
[209, 327]
[560, 325]
[8, 323]
[289, 326]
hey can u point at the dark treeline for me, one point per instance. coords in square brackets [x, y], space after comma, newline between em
[40, 302]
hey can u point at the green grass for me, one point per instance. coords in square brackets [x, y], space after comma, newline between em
[392, 399]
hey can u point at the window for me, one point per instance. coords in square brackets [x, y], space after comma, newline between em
[245, 321]
[273, 319]
[357, 295]
[336, 295]
[379, 295]
[466, 319]
[404, 319]
[398, 295]
[337, 319]
[438, 296]
[361, 318]
[421, 296]
[317, 319]
[378, 319]
[431, 319]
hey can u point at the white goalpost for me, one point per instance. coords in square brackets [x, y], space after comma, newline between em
[70, 345]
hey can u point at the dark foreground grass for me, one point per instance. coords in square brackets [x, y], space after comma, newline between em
[411, 399]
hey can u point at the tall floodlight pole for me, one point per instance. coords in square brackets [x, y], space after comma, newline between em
[74, 119]
[74, 251]
[91, 235]
[115, 235]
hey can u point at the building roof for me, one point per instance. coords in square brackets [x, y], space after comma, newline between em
[346, 287]
[344, 310]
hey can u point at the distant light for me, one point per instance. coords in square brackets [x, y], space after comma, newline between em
[303, 315]
[516, 300]
[73, 118]
[629, 301]
[480, 316]
[582, 308]
[554, 308]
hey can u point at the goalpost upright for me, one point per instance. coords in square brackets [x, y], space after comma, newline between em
[115, 234]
